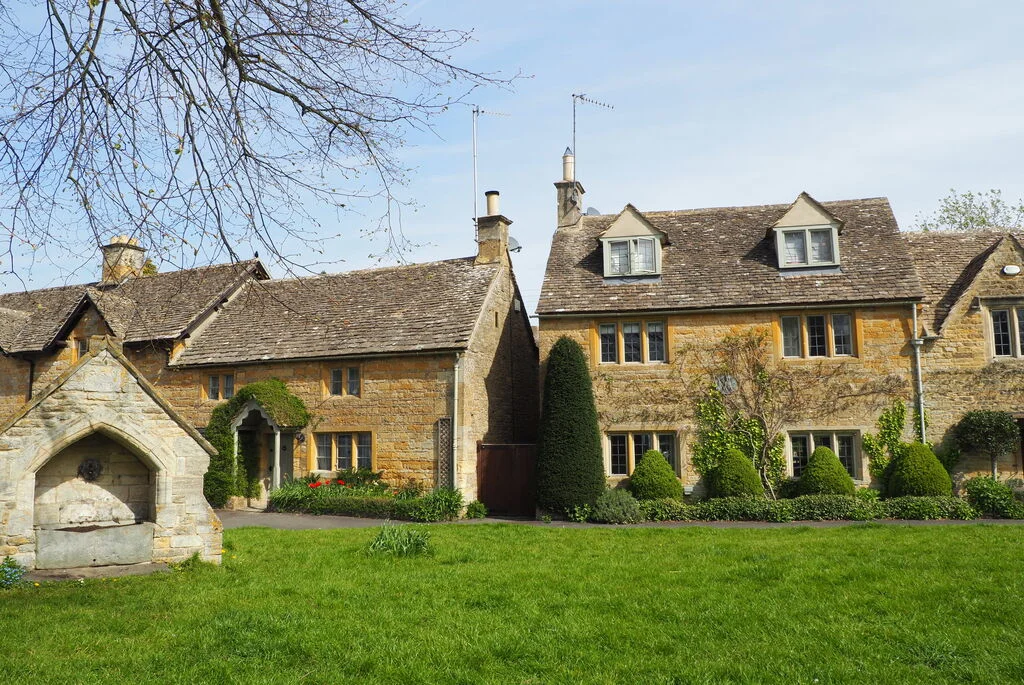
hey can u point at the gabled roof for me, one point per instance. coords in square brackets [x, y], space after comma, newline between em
[948, 262]
[806, 211]
[417, 307]
[725, 257]
[158, 307]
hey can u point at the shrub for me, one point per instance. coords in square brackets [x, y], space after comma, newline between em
[570, 468]
[993, 432]
[653, 478]
[371, 501]
[12, 574]
[669, 509]
[867, 494]
[917, 472]
[400, 541]
[579, 513]
[836, 507]
[444, 504]
[992, 498]
[926, 508]
[616, 506]
[824, 475]
[734, 477]
[743, 509]
[476, 510]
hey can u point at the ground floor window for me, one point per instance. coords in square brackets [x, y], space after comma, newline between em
[626, 449]
[342, 451]
[843, 443]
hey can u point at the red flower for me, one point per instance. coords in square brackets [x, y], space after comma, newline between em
[315, 484]
[341, 482]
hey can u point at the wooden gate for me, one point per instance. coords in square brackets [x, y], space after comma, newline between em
[505, 478]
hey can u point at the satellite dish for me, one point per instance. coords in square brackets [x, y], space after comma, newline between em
[513, 245]
[593, 211]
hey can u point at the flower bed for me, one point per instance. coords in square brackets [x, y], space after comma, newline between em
[373, 499]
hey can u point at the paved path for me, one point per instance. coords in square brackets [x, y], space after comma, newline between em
[247, 518]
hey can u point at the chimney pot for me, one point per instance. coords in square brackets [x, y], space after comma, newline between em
[492, 203]
[122, 258]
[568, 165]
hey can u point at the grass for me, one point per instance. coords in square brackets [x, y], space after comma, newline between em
[517, 604]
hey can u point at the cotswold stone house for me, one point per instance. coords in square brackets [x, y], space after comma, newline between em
[404, 369]
[828, 284]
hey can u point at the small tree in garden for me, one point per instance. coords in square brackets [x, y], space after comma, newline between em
[653, 478]
[824, 475]
[993, 432]
[570, 469]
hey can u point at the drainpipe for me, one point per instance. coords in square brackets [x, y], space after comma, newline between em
[455, 419]
[915, 345]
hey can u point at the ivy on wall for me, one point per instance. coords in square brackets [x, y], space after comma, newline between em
[888, 444]
[226, 477]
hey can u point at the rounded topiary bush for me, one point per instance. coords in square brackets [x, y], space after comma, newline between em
[734, 477]
[918, 472]
[824, 475]
[616, 506]
[653, 478]
[570, 468]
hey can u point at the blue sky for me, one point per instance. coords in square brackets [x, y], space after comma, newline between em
[726, 103]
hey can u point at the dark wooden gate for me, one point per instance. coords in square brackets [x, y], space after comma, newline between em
[504, 478]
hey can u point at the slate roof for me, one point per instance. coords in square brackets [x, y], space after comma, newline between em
[725, 257]
[418, 307]
[158, 307]
[947, 263]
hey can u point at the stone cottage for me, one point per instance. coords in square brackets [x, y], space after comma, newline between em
[832, 286]
[405, 370]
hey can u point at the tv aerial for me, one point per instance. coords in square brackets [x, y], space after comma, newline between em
[477, 111]
[582, 97]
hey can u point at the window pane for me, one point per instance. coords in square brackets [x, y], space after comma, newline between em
[796, 249]
[336, 381]
[609, 351]
[353, 381]
[655, 342]
[821, 247]
[667, 446]
[641, 443]
[214, 391]
[323, 451]
[823, 440]
[792, 346]
[364, 453]
[817, 343]
[344, 441]
[645, 254]
[618, 258]
[1020, 331]
[229, 386]
[844, 451]
[842, 334]
[799, 444]
[631, 342]
[1001, 332]
[618, 450]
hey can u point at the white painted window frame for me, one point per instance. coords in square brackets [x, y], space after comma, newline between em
[633, 243]
[780, 245]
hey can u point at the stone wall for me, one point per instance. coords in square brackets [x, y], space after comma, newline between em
[658, 398]
[102, 395]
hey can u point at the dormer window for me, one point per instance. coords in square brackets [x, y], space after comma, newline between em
[632, 245]
[808, 247]
[807, 235]
[635, 256]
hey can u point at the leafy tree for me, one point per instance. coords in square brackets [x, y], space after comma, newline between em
[973, 212]
[653, 478]
[824, 475]
[570, 469]
[993, 432]
[204, 124]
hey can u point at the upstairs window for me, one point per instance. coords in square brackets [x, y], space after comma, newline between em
[817, 335]
[345, 381]
[1008, 331]
[220, 387]
[632, 256]
[634, 342]
[799, 247]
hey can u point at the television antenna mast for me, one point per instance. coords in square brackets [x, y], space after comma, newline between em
[477, 111]
[582, 97]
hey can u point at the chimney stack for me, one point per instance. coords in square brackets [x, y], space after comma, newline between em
[122, 258]
[492, 233]
[570, 193]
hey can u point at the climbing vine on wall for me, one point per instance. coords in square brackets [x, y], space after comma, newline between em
[888, 444]
[226, 477]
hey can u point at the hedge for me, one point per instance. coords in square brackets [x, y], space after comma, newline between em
[444, 504]
[809, 508]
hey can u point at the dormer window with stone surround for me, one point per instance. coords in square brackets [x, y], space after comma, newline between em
[631, 246]
[807, 235]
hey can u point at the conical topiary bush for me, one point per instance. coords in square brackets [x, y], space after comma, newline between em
[653, 478]
[917, 471]
[824, 475]
[735, 476]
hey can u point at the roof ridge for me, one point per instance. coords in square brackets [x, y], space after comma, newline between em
[377, 269]
[773, 205]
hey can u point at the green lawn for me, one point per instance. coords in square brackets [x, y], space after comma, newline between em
[518, 604]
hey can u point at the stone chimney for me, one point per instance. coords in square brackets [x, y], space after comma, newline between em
[122, 258]
[570, 192]
[492, 233]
